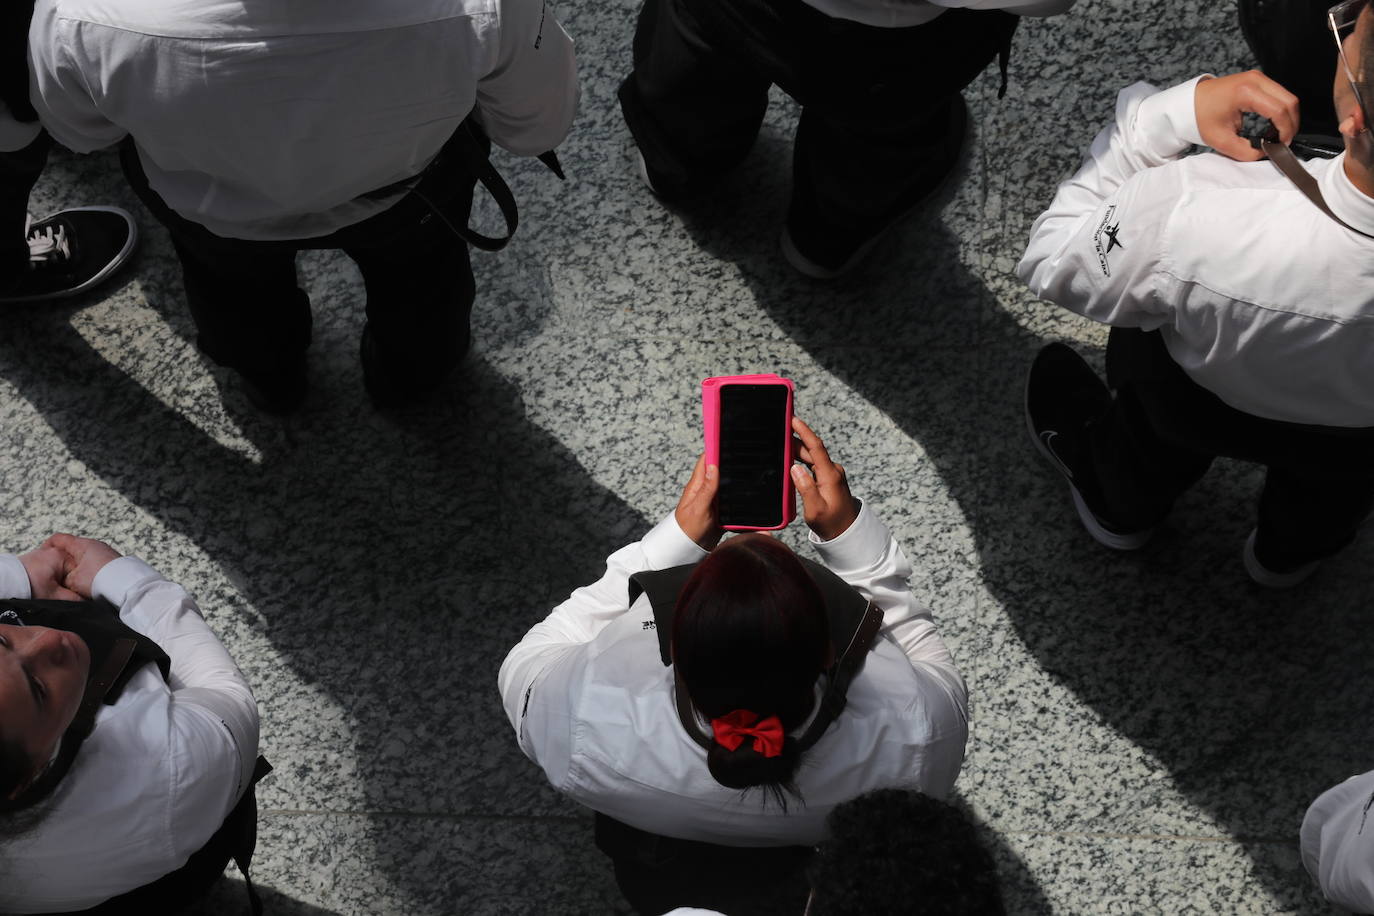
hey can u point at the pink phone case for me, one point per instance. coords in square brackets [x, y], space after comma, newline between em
[710, 410]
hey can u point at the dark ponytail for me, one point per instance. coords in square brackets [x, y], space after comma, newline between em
[749, 633]
[15, 16]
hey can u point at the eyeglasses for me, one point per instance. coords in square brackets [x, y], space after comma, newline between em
[1341, 19]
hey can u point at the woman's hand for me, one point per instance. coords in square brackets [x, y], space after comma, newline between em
[82, 559]
[47, 567]
[827, 505]
[696, 510]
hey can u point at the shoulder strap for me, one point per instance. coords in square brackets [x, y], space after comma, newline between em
[662, 586]
[1286, 162]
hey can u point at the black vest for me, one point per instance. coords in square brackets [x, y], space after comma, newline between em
[853, 623]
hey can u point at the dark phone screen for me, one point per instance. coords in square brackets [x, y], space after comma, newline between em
[753, 450]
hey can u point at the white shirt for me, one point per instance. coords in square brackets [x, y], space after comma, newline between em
[1260, 297]
[895, 14]
[266, 119]
[592, 704]
[162, 769]
[1338, 843]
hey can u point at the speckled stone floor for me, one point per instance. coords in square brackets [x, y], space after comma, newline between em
[1146, 730]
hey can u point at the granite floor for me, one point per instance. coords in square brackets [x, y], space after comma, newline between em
[1146, 730]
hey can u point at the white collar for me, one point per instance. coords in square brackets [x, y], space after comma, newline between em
[1345, 200]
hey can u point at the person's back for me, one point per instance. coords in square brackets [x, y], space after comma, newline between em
[268, 119]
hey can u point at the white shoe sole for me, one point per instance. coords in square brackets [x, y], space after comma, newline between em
[100, 276]
[1267, 577]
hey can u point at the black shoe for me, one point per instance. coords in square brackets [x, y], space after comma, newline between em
[72, 251]
[1064, 395]
[390, 385]
[279, 392]
[816, 251]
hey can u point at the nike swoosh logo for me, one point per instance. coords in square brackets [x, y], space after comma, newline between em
[1047, 439]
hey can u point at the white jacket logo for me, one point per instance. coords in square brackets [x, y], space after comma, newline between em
[1107, 230]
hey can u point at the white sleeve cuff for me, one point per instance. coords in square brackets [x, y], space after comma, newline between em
[667, 545]
[14, 579]
[1169, 118]
[857, 547]
[119, 577]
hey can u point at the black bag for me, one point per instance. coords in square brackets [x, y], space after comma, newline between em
[1294, 46]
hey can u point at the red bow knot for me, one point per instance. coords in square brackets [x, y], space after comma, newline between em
[731, 730]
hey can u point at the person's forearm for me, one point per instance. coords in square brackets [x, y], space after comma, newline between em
[14, 579]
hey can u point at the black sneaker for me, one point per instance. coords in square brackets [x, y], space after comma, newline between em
[815, 251]
[72, 251]
[1063, 395]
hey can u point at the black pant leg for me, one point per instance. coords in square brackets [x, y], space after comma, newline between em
[1307, 515]
[418, 278]
[1139, 473]
[882, 122]
[697, 94]
[19, 171]
[250, 315]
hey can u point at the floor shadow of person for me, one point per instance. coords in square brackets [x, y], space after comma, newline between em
[1246, 701]
[383, 563]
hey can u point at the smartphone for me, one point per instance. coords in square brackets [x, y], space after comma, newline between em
[748, 421]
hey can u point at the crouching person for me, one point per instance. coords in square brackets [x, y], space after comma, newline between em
[128, 738]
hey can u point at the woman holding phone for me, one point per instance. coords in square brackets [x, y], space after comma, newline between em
[709, 702]
[128, 737]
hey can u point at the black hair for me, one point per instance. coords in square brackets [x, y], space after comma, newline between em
[894, 852]
[750, 632]
[23, 812]
[15, 16]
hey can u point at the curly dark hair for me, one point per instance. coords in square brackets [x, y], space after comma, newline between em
[896, 852]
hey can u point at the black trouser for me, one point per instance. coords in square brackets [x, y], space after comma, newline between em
[251, 316]
[657, 874]
[19, 171]
[879, 126]
[1165, 429]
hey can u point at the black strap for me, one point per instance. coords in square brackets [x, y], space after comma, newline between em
[247, 839]
[1288, 164]
[468, 146]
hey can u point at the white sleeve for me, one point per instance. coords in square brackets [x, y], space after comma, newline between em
[528, 100]
[1337, 840]
[14, 579]
[869, 558]
[1096, 249]
[586, 613]
[61, 90]
[214, 714]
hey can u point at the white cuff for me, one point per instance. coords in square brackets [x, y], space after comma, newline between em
[667, 545]
[1169, 118]
[14, 578]
[119, 577]
[857, 547]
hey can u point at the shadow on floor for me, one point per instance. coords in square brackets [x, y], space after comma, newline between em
[1248, 699]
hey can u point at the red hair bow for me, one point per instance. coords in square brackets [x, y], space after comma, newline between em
[731, 730]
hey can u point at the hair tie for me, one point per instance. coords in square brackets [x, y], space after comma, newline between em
[731, 730]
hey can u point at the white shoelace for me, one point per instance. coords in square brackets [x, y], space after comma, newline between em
[47, 244]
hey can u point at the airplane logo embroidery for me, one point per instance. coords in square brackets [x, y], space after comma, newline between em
[1112, 240]
[1107, 229]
